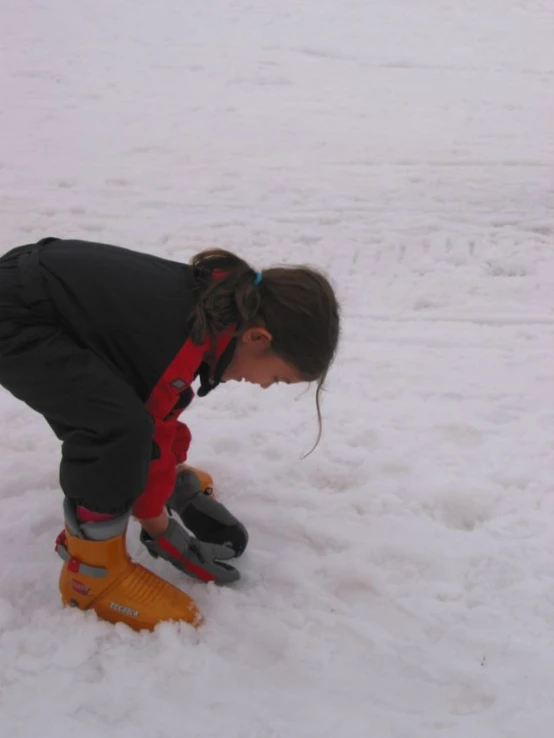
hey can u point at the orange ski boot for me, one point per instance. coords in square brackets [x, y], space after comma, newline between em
[203, 515]
[205, 479]
[99, 575]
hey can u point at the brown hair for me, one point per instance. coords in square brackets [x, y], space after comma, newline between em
[296, 304]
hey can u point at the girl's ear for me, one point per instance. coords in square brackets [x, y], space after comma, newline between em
[257, 338]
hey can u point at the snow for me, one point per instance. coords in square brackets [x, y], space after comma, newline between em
[400, 580]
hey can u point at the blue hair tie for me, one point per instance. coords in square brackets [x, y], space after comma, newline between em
[257, 279]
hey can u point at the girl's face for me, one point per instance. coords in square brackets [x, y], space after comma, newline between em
[255, 362]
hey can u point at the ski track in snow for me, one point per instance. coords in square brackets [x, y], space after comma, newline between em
[400, 580]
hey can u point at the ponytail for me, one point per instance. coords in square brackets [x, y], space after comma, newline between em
[226, 294]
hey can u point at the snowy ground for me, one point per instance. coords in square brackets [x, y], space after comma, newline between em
[400, 581]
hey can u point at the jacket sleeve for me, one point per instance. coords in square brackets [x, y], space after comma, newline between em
[171, 395]
[181, 442]
[171, 442]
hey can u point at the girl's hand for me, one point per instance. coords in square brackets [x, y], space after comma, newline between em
[156, 526]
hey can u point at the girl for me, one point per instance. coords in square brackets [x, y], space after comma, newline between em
[106, 343]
